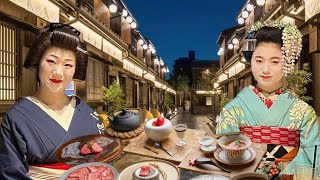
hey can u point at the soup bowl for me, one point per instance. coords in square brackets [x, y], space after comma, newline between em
[234, 145]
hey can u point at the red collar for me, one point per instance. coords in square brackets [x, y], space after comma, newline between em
[277, 92]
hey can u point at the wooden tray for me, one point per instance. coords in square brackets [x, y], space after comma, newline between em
[136, 144]
[235, 169]
[69, 152]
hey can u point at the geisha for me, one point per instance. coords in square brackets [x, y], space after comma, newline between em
[267, 112]
[36, 126]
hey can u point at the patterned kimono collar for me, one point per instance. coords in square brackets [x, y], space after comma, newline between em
[268, 101]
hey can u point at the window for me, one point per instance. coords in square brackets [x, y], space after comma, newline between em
[208, 101]
[95, 79]
[8, 63]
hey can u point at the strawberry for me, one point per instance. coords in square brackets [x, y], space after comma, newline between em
[154, 123]
[160, 121]
[85, 150]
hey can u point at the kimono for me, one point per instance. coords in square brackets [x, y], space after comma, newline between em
[289, 121]
[28, 135]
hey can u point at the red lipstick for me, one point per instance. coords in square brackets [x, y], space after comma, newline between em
[57, 81]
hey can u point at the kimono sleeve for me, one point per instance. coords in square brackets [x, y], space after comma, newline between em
[227, 121]
[13, 152]
[309, 137]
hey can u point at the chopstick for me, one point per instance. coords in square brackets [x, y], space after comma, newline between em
[146, 147]
[229, 133]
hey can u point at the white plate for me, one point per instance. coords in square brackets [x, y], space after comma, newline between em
[113, 169]
[249, 155]
[210, 177]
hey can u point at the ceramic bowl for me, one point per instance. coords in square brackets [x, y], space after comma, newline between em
[249, 176]
[158, 133]
[206, 140]
[208, 148]
[232, 152]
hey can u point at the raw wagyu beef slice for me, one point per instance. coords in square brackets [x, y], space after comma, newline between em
[85, 150]
[95, 148]
[145, 170]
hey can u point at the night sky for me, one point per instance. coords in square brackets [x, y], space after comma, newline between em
[177, 26]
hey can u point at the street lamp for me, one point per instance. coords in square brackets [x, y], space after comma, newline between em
[260, 2]
[240, 20]
[113, 8]
[244, 14]
[124, 13]
[133, 25]
[140, 41]
[249, 7]
[129, 19]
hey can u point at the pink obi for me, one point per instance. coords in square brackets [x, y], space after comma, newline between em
[272, 135]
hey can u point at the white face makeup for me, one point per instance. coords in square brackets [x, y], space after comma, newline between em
[266, 66]
[56, 69]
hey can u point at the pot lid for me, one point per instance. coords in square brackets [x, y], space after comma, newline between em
[124, 114]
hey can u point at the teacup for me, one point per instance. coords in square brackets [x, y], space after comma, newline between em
[234, 145]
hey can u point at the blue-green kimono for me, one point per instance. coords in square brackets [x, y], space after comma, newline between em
[247, 109]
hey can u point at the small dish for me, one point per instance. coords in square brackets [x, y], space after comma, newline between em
[249, 155]
[206, 140]
[208, 149]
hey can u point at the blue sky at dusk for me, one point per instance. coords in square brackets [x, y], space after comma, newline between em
[177, 26]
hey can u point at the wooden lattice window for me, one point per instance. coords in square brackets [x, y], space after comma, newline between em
[8, 63]
[95, 79]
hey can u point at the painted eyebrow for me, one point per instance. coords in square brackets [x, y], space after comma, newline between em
[58, 57]
[273, 58]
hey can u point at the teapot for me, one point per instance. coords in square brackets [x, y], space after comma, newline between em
[125, 121]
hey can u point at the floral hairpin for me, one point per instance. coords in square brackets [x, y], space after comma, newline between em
[291, 38]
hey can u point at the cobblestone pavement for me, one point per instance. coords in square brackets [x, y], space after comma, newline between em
[194, 121]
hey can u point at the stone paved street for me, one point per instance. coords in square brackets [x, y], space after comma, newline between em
[194, 121]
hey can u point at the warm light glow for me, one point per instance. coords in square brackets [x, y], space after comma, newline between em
[245, 14]
[156, 61]
[113, 8]
[145, 46]
[230, 46]
[240, 20]
[260, 2]
[129, 19]
[220, 52]
[161, 62]
[205, 92]
[235, 41]
[153, 51]
[133, 25]
[140, 42]
[249, 7]
[124, 13]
